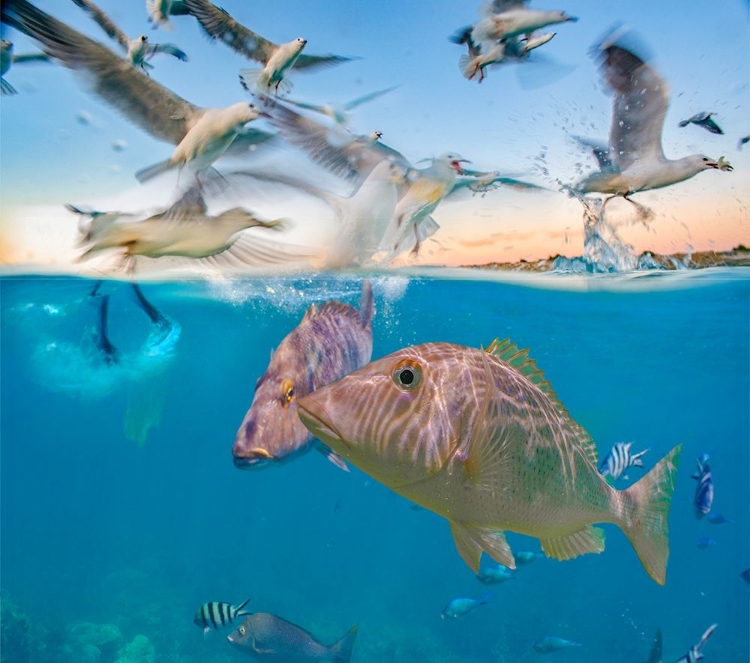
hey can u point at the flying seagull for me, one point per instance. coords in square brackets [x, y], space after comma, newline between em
[138, 50]
[634, 160]
[8, 59]
[703, 120]
[159, 12]
[339, 113]
[201, 135]
[276, 59]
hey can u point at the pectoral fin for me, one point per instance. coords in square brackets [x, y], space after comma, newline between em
[472, 540]
[588, 540]
[337, 460]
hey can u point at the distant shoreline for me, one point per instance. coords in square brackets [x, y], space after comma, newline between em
[736, 257]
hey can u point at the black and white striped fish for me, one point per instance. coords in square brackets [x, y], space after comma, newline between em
[217, 615]
[620, 459]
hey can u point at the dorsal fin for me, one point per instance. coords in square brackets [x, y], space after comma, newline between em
[331, 307]
[519, 360]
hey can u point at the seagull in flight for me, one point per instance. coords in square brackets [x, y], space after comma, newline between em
[339, 113]
[8, 59]
[159, 12]
[276, 59]
[703, 120]
[201, 135]
[137, 51]
[634, 160]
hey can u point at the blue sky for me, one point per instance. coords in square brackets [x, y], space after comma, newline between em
[703, 51]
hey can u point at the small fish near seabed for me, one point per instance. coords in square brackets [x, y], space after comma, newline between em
[462, 607]
[266, 637]
[620, 459]
[525, 557]
[704, 491]
[332, 340]
[705, 542]
[718, 519]
[215, 614]
[480, 438]
[550, 644]
[494, 575]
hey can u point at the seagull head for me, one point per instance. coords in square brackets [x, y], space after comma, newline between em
[143, 38]
[454, 161]
[6, 44]
[300, 41]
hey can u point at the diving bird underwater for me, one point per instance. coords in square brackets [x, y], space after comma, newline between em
[480, 438]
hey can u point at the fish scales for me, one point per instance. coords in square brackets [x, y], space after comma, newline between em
[480, 438]
[332, 340]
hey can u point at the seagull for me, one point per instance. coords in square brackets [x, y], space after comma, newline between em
[7, 59]
[744, 140]
[185, 229]
[505, 19]
[201, 135]
[159, 12]
[276, 58]
[634, 160]
[138, 50]
[703, 120]
[339, 113]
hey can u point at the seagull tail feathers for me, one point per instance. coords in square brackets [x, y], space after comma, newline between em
[148, 173]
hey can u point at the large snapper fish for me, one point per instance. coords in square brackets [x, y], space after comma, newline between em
[480, 438]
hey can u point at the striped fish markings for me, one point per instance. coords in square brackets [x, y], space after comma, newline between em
[216, 614]
[480, 438]
[704, 491]
[332, 340]
[620, 459]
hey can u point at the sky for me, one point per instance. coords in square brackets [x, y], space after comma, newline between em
[518, 121]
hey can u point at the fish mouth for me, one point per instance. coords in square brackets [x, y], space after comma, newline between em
[315, 418]
[254, 459]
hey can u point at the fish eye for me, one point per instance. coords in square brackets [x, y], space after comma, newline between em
[407, 376]
[242, 630]
[288, 392]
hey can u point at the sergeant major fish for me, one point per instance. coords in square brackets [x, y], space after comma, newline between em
[267, 637]
[494, 575]
[704, 491]
[620, 459]
[332, 340]
[216, 614]
[480, 438]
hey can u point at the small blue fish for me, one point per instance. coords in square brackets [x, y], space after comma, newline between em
[525, 557]
[704, 492]
[694, 653]
[549, 644]
[462, 607]
[717, 519]
[496, 574]
[706, 542]
[620, 459]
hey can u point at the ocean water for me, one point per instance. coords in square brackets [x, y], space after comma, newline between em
[121, 511]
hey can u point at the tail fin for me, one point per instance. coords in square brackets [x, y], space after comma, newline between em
[485, 599]
[365, 304]
[637, 459]
[145, 174]
[342, 650]
[648, 529]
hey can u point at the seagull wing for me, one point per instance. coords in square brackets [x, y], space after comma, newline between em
[710, 124]
[367, 97]
[145, 102]
[312, 61]
[500, 6]
[600, 151]
[171, 49]
[638, 109]
[105, 22]
[31, 57]
[218, 24]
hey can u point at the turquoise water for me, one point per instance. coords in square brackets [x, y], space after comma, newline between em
[109, 522]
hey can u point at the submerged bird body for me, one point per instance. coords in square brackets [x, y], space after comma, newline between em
[480, 438]
[266, 637]
[332, 339]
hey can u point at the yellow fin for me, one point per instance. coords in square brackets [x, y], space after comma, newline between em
[472, 540]
[519, 360]
[588, 540]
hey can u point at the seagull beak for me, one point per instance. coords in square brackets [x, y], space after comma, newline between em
[457, 164]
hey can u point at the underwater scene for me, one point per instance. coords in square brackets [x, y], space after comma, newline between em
[374, 332]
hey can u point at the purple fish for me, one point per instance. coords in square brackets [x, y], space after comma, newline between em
[267, 637]
[704, 492]
[332, 339]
